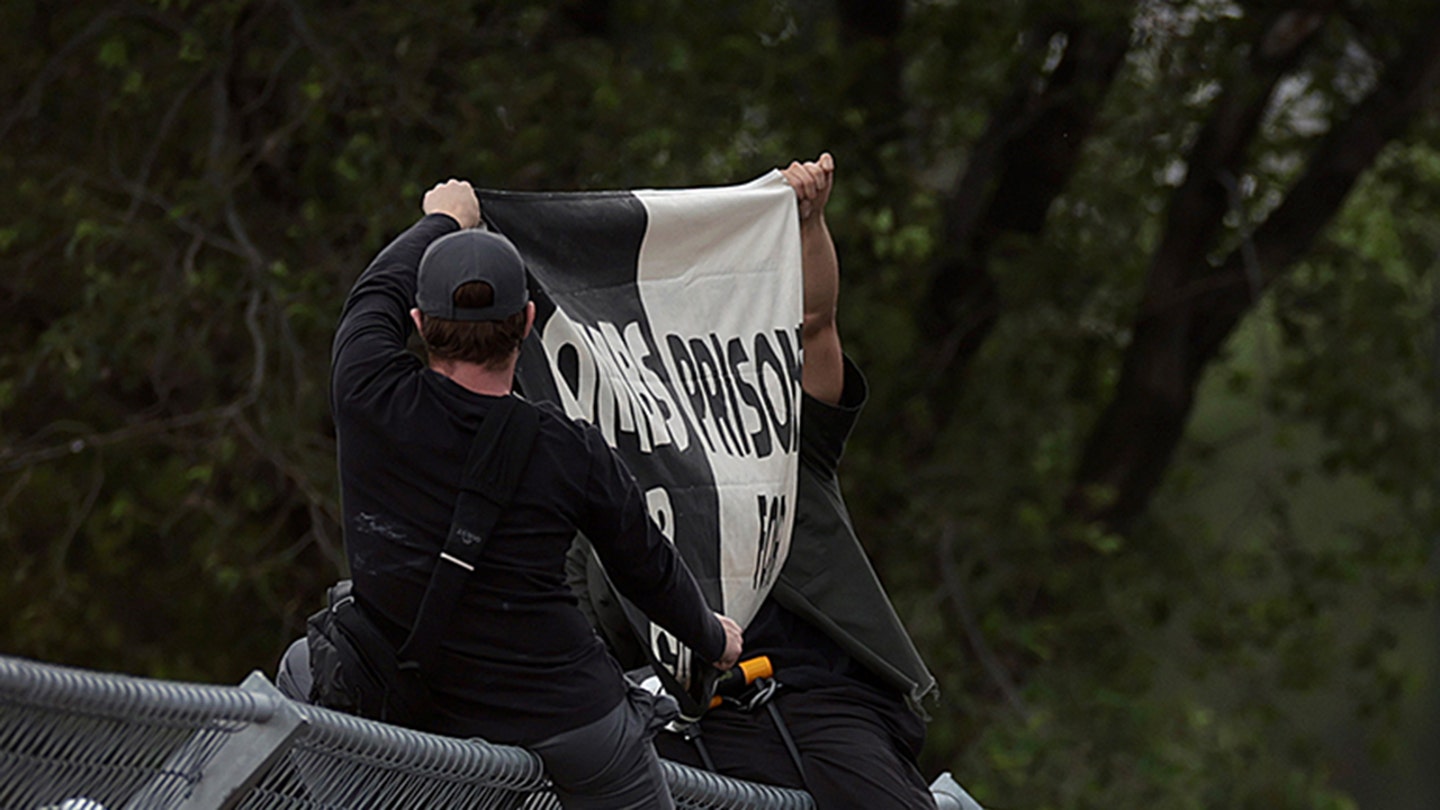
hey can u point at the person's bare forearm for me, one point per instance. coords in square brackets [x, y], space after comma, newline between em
[823, 373]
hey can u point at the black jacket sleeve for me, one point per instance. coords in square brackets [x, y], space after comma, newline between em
[376, 320]
[644, 566]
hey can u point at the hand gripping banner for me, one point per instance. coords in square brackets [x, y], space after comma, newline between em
[670, 319]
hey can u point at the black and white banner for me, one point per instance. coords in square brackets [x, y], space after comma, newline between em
[670, 319]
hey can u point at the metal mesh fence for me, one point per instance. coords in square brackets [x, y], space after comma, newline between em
[84, 741]
[347, 762]
[78, 740]
[343, 761]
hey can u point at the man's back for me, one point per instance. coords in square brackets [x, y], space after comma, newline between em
[515, 617]
[520, 662]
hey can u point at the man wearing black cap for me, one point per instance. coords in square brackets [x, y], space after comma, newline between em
[519, 663]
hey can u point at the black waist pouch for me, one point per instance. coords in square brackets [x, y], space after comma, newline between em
[356, 670]
[354, 666]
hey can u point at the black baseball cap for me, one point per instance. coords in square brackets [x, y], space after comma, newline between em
[466, 256]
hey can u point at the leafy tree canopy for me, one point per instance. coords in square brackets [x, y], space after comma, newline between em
[1146, 292]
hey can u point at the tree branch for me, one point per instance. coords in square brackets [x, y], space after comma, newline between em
[955, 590]
[29, 103]
[1023, 161]
[61, 548]
[1190, 308]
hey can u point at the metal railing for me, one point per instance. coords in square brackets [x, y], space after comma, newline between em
[73, 739]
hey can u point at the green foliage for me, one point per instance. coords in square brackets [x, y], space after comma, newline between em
[194, 185]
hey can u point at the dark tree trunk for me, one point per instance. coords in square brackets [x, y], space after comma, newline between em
[1190, 308]
[1019, 166]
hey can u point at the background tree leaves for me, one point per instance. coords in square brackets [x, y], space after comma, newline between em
[1146, 293]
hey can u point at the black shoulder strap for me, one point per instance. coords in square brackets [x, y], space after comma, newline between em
[498, 455]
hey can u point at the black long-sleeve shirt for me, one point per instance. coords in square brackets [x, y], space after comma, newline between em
[520, 662]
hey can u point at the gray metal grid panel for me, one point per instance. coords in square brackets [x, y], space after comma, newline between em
[72, 734]
[73, 739]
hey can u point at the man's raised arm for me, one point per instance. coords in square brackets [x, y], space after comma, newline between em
[823, 373]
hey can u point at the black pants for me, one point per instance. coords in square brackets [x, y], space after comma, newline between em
[610, 763]
[858, 749]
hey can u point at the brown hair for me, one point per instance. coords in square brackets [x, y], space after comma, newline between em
[486, 343]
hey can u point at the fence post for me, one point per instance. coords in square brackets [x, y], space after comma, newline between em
[222, 777]
[950, 796]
